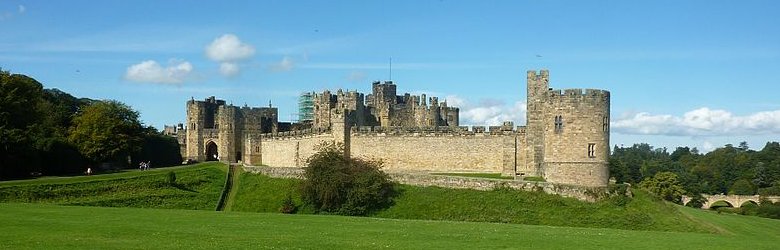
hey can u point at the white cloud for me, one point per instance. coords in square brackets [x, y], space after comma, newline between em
[228, 48]
[356, 76]
[228, 69]
[488, 112]
[286, 64]
[150, 71]
[22, 9]
[700, 122]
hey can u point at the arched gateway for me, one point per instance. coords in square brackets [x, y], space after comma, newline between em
[211, 151]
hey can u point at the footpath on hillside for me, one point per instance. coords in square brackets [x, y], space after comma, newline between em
[228, 192]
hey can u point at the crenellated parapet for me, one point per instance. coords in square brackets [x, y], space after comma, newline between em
[434, 131]
[593, 96]
[295, 133]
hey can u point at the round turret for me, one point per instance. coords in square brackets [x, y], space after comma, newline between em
[576, 136]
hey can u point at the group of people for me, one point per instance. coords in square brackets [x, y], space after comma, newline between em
[145, 165]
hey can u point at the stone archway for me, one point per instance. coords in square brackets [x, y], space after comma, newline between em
[211, 151]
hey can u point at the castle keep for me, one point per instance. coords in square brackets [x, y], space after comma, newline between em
[383, 108]
[566, 139]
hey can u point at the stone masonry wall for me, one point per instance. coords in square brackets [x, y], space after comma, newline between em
[290, 151]
[421, 152]
[577, 192]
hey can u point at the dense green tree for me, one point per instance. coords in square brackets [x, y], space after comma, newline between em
[19, 99]
[160, 150]
[335, 183]
[107, 131]
[742, 187]
[665, 185]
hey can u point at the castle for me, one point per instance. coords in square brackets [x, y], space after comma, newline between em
[566, 139]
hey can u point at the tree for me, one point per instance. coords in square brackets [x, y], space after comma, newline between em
[742, 187]
[19, 99]
[664, 185]
[160, 149]
[335, 183]
[106, 131]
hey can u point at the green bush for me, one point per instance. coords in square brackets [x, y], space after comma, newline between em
[288, 206]
[171, 178]
[338, 184]
[697, 201]
[664, 185]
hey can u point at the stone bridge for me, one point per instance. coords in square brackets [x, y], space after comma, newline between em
[732, 200]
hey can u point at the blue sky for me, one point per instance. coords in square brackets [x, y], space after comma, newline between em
[694, 73]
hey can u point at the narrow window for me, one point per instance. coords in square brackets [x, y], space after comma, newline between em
[605, 125]
[558, 124]
[257, 149]
[591, 150]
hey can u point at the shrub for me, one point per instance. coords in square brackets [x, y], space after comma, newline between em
[335, 183]
[697, 201]
[665, 185]
[288, 206]
[171, 178]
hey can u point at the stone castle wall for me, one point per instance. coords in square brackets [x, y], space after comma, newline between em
[403, 151]
[431, 152]
[291, 151]
[425, 180]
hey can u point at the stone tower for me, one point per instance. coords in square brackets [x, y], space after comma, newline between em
[567, 133]
[538, 85]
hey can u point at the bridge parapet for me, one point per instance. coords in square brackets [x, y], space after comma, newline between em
[733, 200]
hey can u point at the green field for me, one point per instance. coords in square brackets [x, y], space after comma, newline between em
[75, 227]
[32, 215]
[196, 187]
[260, 193]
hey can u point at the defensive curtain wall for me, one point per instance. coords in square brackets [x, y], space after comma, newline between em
[578, 192]
[566, 140]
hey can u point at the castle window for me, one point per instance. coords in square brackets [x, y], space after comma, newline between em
[592, 150]
[558, 124]
[257, 149]
[605, 125]
[193, 126]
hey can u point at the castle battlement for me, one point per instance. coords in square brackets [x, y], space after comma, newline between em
[296, 133]
[543, 74]
[505, 129]
[578, 93]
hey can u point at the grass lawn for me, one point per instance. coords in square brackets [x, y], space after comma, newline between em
[259, 193]
[196, 187]
[46, 226]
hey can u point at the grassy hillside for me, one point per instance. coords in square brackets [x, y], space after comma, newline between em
[73, 227]
[258, 193]
[537, 208]
[197, 187]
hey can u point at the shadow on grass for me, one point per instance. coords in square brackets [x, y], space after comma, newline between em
[183, 188]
